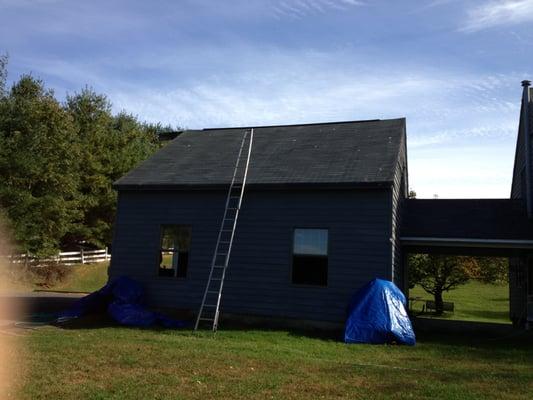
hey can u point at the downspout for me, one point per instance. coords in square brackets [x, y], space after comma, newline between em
[527, 140]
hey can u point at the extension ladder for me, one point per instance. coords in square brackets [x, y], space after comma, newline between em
[210, 309]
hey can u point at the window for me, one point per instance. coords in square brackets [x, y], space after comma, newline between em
[174, 250]
[310, 257]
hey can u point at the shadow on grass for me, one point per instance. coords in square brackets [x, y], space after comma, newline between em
[99, 321]
[497, 316]
[518, 343]
[500, 299]
[297, 332]
[481, 316]
[490, 346]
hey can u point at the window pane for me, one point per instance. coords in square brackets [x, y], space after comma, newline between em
[175, 237]
[311, 242]
[310, 257]
[174, 251]
[166, 263]
[310, 270]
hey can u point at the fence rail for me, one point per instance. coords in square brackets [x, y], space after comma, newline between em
[65, 258]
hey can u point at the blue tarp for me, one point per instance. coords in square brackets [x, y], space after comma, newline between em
[122, 298]
[377, 314]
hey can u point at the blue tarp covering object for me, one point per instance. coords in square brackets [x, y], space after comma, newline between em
[377, 314]
[122, 298]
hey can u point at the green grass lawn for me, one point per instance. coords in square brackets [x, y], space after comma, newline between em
[84, 278]
[474, 301]
[104, 362]
[76, 278]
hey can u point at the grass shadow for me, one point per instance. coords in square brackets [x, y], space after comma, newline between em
[293, 331]
[99, 321]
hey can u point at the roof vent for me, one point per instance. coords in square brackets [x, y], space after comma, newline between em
[526, 83]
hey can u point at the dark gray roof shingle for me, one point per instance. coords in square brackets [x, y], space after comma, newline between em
[343, 153]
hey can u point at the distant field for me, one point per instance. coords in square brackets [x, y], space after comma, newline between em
[474, 301]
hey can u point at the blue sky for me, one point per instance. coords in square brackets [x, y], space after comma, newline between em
[452, 68]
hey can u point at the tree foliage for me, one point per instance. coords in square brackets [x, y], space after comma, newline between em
[488, 269]
[109, 147]
[38, 166]
[58, 162]
[437, 274]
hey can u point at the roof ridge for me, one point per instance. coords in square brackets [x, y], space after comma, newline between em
[303, 124]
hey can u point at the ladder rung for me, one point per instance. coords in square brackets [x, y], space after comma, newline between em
[222, 254]
[219, 266]
[206, 319]
[212, 292]
[210, 305]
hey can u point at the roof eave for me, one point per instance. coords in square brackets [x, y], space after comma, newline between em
[257, 186]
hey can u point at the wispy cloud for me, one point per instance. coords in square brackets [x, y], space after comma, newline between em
[504, 129]
[498, 13]
[299, 9]
[277, 87]
[194, 65]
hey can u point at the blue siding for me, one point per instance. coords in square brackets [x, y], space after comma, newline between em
[517, 265]
[398, 195]
[258, 280]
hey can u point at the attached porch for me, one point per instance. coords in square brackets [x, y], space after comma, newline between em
[475, 227]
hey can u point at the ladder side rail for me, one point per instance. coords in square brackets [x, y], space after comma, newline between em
[241, 195]
[228, 197]
[213, 261]
[233, 228]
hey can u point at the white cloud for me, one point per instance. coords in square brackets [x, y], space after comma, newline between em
[475, 171]
[499, 130]
[498, 13]
[273, 88]
[299, 9]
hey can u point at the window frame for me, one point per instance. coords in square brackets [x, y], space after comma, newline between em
[291, 255]
[160, 249]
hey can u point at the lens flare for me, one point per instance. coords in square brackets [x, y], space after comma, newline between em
[10, 311]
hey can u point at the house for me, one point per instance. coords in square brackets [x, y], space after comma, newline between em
[319, 219]
[521, 268]
[325, 210]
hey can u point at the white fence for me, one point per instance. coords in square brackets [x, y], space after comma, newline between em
[65, 258]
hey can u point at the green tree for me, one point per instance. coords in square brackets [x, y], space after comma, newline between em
[38, 167]
[91, 115]
[109, 147]
[489, 269]
[437, 274]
